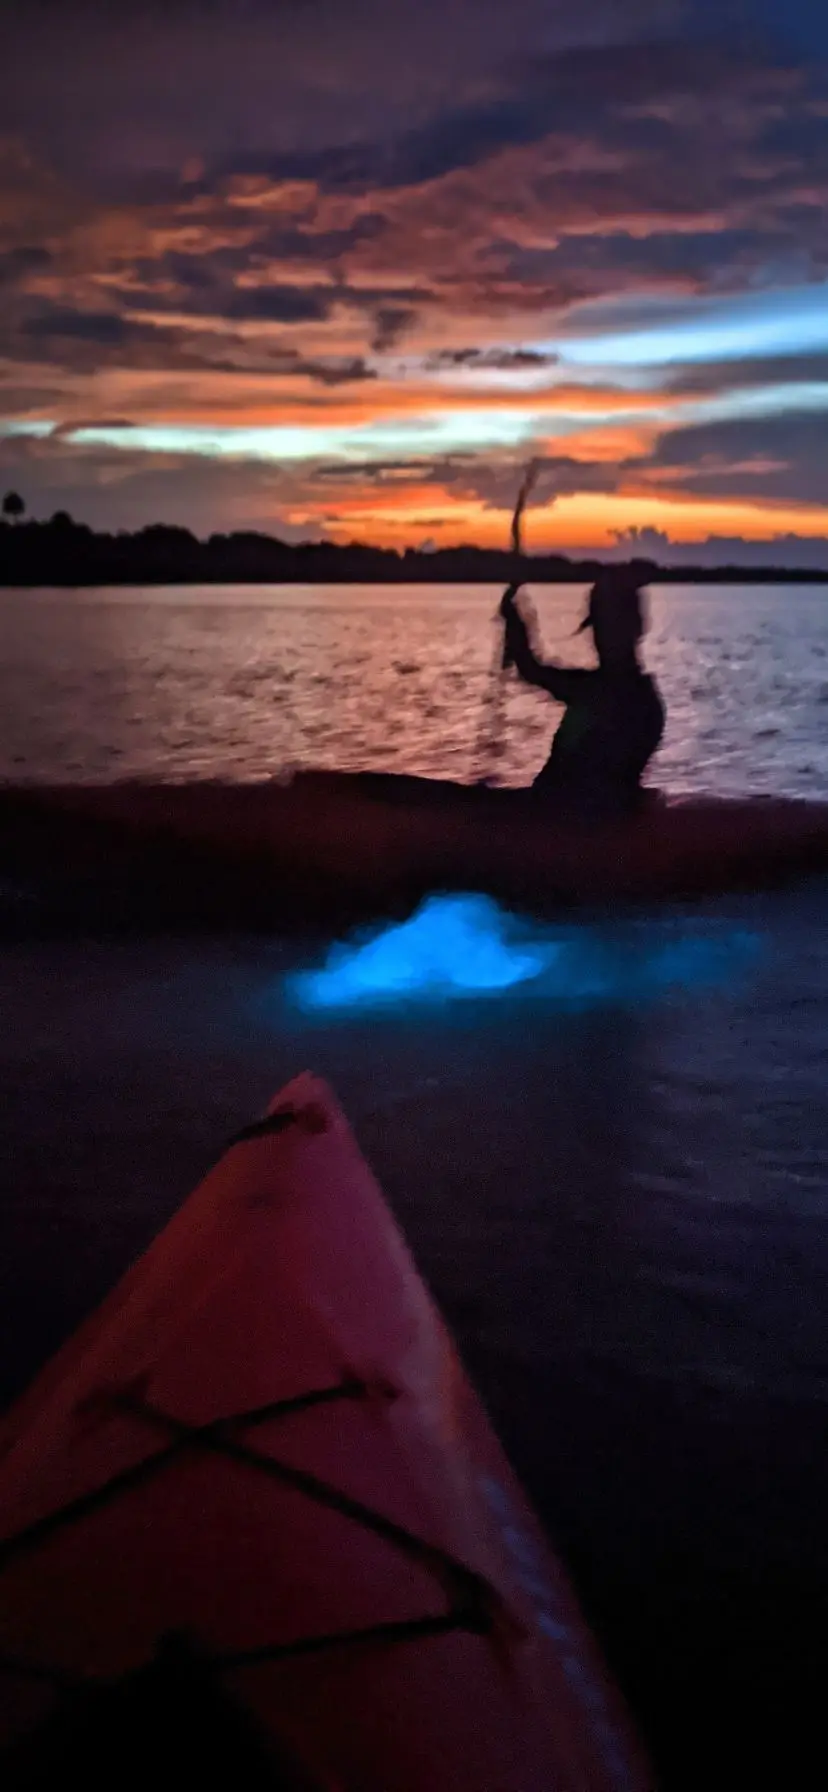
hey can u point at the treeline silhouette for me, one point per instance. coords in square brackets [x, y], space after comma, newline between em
[63, 552]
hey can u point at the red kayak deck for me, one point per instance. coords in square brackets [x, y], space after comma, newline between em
[264, 1443]
[331, 845]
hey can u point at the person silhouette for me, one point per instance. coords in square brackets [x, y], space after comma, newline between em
[613, 716]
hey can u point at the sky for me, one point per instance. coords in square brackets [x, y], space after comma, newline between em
[339, 270]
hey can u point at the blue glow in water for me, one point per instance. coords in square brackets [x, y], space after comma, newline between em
[453, 945]
[458, 947]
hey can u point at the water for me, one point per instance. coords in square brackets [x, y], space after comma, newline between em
[466, 947]
[239, 682]
[613, 1173]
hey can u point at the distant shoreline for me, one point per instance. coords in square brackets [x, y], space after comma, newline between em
[70, 555]
[530, 574]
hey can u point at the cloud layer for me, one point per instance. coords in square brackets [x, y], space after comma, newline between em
[340, 275]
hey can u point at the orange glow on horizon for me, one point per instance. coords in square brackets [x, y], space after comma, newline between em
[385, 516]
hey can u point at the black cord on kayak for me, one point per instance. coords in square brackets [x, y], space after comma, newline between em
[264, 1128]
[311, 1116]
[474, 1604]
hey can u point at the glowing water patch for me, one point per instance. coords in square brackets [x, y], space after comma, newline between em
[457, 947]
[453, 945]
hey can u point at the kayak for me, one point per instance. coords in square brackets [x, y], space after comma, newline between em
[333, 846]
[257, 1483]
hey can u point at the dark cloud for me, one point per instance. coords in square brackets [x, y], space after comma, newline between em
[356, 472]
[203, 286]
[105, 328]
[491, 481]
[332, 372]
[278, 304]
[776, 458]
[731, 376]
[233, 78]
[233, 285]
[71, 425]
[390, 324]
[82, 340]
[504, 360]
[547, 94]
[794, 27]
[324, 247]
[726, 260]
[26, 258]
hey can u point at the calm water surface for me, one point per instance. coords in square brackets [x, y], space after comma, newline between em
[239, 682]
[620, 1198]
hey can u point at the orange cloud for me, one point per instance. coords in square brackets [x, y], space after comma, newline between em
[604, 444]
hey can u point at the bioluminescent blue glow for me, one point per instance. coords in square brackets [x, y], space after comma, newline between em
[453, 945]
[460, 947]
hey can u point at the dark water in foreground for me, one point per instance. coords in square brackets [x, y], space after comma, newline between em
[615, 1183]
[617, 1195]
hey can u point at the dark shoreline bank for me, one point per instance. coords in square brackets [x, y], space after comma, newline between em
[68, 554]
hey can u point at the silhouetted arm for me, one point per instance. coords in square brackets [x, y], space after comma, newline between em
[559, 681]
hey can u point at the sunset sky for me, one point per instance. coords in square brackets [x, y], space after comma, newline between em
[340, 267]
